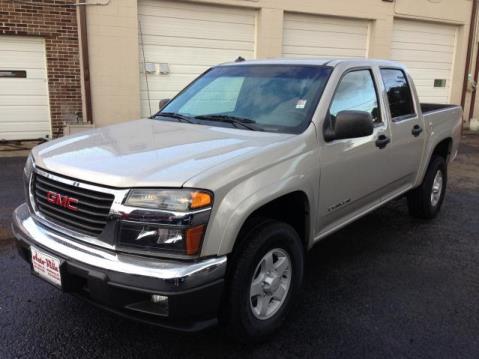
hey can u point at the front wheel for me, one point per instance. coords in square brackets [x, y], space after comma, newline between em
[266, 275]
[426, 200]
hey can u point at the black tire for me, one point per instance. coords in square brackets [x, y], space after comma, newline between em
[419, 200]
[255, 243]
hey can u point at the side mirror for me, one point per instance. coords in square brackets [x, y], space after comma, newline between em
[164, 102]
[352, 124]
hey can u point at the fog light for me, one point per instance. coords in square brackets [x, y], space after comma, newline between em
[156, 298]
[157, 305]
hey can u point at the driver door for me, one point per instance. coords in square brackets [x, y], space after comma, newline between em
[354, 171]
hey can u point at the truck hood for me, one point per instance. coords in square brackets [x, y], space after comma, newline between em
[148, 153]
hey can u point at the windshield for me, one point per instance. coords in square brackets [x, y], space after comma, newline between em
[277, 98]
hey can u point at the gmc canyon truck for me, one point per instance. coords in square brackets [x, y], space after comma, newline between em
[202, 214]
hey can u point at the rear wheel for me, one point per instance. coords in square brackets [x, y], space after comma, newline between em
[266, 274]
[426, 200]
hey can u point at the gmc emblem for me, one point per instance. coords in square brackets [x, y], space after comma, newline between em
[62, 201]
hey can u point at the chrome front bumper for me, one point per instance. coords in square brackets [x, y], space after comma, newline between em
[155, 274]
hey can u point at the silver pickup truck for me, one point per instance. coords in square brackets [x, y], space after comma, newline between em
[203, 213]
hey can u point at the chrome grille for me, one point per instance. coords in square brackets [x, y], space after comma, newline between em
[92, 211]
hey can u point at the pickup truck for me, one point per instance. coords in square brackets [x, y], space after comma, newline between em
[203, 213]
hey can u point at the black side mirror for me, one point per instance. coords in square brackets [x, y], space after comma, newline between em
[352, 124]
[164, 102]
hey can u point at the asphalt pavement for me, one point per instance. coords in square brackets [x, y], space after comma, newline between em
[387, 286]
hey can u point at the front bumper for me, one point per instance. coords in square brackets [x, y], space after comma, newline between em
[125, 283]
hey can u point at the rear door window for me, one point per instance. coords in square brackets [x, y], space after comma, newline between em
[399, 94]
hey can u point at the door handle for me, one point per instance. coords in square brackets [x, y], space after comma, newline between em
[416, 130]
[382, 141]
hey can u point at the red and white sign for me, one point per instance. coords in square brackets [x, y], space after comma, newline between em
[46, 266]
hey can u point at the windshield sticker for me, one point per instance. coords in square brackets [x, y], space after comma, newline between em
[301, 103]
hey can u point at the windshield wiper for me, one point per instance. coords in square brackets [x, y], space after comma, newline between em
[176, 116]
[234, 120]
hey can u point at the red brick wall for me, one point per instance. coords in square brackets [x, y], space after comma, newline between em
[58, 26]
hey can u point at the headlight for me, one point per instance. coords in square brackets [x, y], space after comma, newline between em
[154, 237]
[150, 226]
[169, 200]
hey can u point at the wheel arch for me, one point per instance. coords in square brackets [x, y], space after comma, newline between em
[443, 148]
[297, 215]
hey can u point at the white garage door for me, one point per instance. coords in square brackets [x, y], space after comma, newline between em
[427, 49]
[324, 36]
[24, 105]
[189, 38]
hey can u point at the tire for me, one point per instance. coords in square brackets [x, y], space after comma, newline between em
[421, 202]
[243, 315]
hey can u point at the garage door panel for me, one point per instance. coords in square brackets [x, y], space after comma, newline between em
[431, 98]
[423, 38]
[317, 20]
[321, 52]
[187, 69]
[23, 100]
[421, 56]
[190, 38]
[18, 114]
[22, 59]
[423, 27]
[324, 36]
[172, 85]
[24, 134]
[181, 70]
[340, 40]
[25, 87]
[15, 43]
[428, 95]
[205, 13]
[196, 29]
[175, 41]
[155, 103]
[202, 56]
[427, 49]
[321, 27]
[427, 65]
[441, 48]
[32, 126]
[429, 74]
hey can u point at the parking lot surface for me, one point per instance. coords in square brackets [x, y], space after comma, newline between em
[386, 286]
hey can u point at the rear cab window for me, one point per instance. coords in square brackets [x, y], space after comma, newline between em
[400, 100]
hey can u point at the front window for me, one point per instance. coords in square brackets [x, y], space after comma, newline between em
[276, 98]
[356, 92]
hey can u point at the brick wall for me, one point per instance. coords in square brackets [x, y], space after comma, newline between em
[58, 26]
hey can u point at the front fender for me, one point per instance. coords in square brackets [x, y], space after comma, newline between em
[296, 174]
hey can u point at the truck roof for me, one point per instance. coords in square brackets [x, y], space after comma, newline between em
[317, 62]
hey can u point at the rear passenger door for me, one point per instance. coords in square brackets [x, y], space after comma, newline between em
[407, 132]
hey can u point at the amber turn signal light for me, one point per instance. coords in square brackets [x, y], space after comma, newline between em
[200, 199]
[194, 236]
